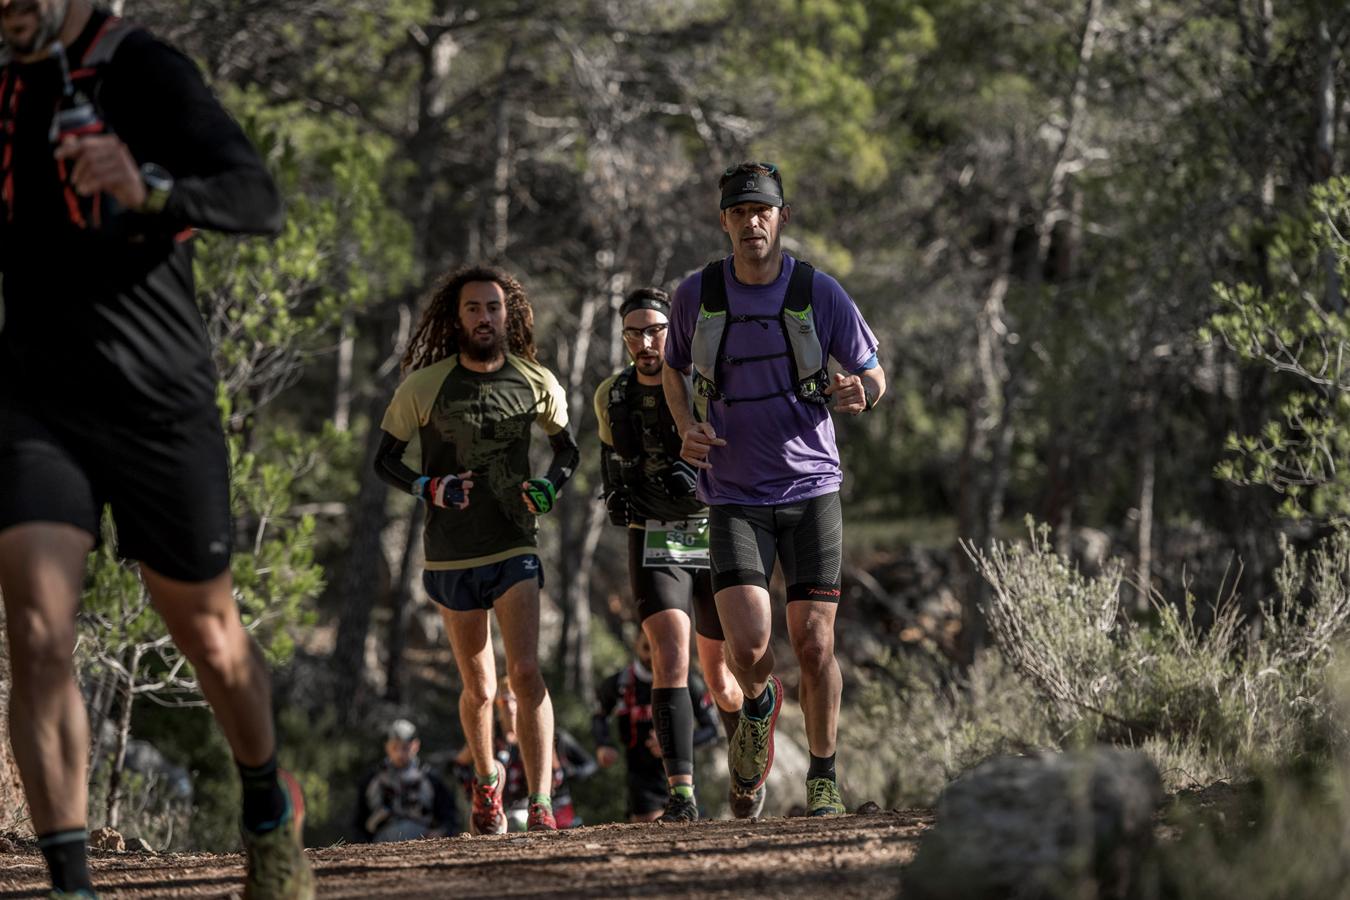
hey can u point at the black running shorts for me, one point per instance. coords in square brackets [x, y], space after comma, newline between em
[658, 588]
[167, 483]
[806, 537]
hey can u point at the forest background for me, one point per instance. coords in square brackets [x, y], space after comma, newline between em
[1102, 246]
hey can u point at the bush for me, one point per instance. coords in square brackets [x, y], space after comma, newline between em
[1194, 690]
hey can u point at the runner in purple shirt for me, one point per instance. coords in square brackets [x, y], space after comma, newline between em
[756, 330]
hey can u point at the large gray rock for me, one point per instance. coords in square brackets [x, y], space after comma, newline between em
[1070, 826]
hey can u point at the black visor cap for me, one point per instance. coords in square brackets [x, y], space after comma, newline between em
[751, 188]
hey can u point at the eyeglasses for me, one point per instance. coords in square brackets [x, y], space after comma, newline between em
[636, 335]
[731, 170]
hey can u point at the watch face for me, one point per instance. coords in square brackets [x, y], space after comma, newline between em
[156, 176]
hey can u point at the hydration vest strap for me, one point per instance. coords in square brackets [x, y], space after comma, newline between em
[105, 43]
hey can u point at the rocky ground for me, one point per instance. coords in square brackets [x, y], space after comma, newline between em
[847, 857]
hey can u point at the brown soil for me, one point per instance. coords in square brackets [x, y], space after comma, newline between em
[846, 857]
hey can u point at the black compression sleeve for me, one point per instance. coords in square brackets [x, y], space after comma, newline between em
[565, 459]
[389, 464]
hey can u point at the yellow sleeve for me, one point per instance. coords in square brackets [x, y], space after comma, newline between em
[602, 410]
[553, 405]
[413, 399]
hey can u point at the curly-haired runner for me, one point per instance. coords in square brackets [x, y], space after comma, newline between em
[471, 393]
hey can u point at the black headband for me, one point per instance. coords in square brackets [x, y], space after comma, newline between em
[751, 188]
[645, 301]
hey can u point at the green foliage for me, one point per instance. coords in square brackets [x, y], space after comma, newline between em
[1293, 329]
[920, 725]
[1199, 688]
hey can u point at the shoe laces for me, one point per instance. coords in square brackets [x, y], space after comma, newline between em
[823, 792]
[485, 795]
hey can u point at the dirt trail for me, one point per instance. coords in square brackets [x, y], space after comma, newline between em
[846, 857]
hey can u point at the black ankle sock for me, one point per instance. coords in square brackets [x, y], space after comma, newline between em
[821, 767]
[729, 721]
[264, 800]
[759, 707]
[67, 856]
[673, 716]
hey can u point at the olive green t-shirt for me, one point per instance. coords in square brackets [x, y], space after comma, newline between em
[478, 422]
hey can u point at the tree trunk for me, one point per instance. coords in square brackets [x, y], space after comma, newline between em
[363, 575]
[114, 808]
[401, 601]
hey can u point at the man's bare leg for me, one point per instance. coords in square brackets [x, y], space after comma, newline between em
[726, 693]
[41, 576]
[747, 622]
[811, 629]
[518, 617]
[203, 620]
[471, 642]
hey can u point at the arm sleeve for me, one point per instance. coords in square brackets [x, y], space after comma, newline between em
[565, 458]
[220, 182]
[389, 464]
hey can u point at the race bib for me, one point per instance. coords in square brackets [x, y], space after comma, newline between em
[676, 544]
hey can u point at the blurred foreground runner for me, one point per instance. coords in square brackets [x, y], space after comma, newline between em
[113, 150]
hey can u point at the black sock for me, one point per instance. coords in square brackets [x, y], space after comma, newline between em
[729, 721]
[67, 854]
[759, 707]
[821, 767]
[264, 800]
[673, 716]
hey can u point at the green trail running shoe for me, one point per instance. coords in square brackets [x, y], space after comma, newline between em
[750, 751]
[277, 867]
[822, 798]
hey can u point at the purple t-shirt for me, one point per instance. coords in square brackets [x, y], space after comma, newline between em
[778, 450]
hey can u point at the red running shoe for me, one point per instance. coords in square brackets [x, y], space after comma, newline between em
[541, 819]
[487, 816]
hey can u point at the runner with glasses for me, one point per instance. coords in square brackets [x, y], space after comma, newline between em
[757, 330]
[650, 491]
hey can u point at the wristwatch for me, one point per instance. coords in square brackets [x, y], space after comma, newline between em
[158, 185]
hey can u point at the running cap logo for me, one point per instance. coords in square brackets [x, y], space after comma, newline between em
[749, 185]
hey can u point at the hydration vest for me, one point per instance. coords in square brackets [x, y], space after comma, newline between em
[804, 354]
[77, 113]
[627, 422]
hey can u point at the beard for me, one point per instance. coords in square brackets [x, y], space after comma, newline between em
[648, 365]
[479, 347]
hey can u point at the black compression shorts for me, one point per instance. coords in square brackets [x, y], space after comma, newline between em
[168, 484]
[672, 587]
[807, 538]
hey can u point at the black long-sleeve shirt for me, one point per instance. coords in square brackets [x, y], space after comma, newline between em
[105, 319]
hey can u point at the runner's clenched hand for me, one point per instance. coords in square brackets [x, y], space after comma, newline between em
[606, 756]
[447, 491]
[699, 438]
[103, 164]
[848, 394]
